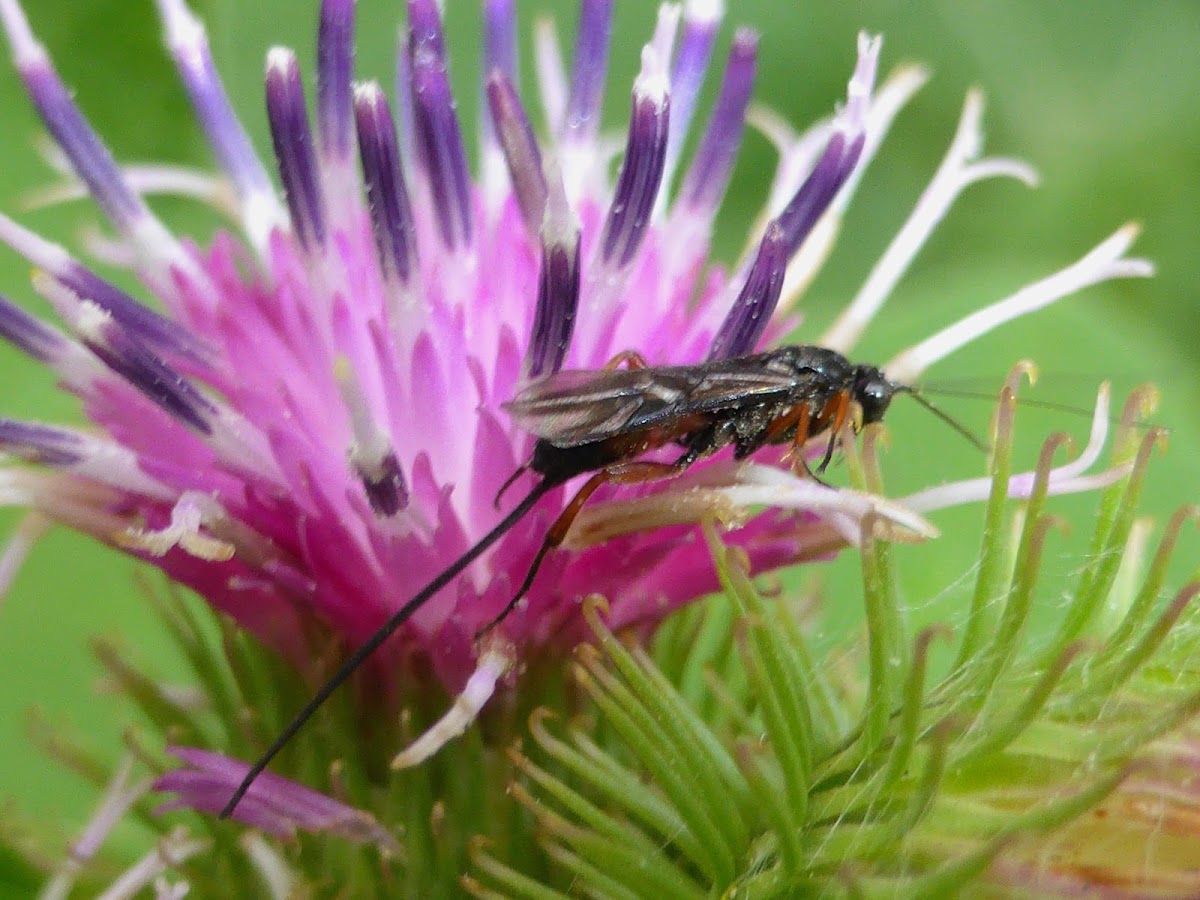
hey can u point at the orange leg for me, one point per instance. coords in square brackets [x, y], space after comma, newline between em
[836, 411]
[636, 472]
[799, 439]
[801, 419]
[630, 358]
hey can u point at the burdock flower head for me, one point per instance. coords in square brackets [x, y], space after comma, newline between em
[309, 425]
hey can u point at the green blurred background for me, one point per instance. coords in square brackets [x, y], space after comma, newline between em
[1100, 95]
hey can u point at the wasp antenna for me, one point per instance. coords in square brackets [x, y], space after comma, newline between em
[1029, 402]
[363, 653]
[948, 419]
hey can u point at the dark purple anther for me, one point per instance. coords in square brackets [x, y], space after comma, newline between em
[150, 328]
[387, 197]
[558, 286]
[520, 148]
[384, 485]
[499, 56]
[701, 20]
[293, 142]
[151, 376]
[39, 443]
[155, 330]
[743, 326]
[438, 139]
[832, 170]
[500, 39]
[425, 27]
[587, 76]
[708, 176]
[335, 69]
[404, 110]
[226, 136]
[89, 157]
[641, 173]
[28, 333]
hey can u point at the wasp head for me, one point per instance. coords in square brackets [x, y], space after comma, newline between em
[873, 392]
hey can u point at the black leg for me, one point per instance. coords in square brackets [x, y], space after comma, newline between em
[621, 473]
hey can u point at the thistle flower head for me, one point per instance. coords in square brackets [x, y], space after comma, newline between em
[308, 426]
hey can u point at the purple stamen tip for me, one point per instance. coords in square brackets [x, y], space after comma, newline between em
[155, 330]
[39, 443]
[751, 311]
[439, 140]
[642, 170]
[500, 39]
[591, 64]
[558, 286]
[335, 69]
[148, 327]
[707, 177]
[709, 172]
[226, 136]
[384, 485]
[28, 333]
[702, 19]
[387, 196]
[293, 142]
[151, 376]
[404, 111]
[832, 171]
[499, 55]
[425, 26]
[520, 148]
[89, 157]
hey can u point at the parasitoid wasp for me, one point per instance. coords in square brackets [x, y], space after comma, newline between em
[604, 421]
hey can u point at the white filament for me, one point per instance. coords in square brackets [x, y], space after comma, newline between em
[177, 847]
[1107, 261]
[958, 170]
[478, 690]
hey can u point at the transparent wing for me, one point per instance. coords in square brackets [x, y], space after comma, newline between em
[576, 407]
